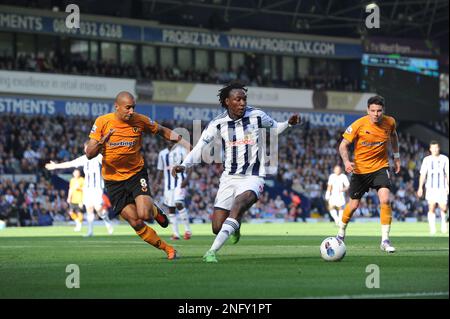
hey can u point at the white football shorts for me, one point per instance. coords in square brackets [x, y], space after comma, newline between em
[232, 186]
[336, 201]
[93, 198]
[436, 196]
[174, 196]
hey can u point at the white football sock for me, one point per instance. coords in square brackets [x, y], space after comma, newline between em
[108, 224]
[443, 222]
[174, 221]
[334, 214]
[385, 229]
[90, 220]
[185, 219]
[78, 225]
[432, 222]
[229, 226]
[341, 213]
[342, 228]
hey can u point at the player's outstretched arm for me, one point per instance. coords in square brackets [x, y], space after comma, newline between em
[193, 157]
[172, 136]
[294, 119]
[282, 126]
[74, 163]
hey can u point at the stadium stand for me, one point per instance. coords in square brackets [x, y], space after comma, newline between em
[55, 62]
[306, 157]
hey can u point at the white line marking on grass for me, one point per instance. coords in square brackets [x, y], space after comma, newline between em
[416, 249]
[90, 244]
[386, 296]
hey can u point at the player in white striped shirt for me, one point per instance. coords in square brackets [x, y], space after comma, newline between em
[92, 189]
[242, 130]
[434, 170]
[174, 187]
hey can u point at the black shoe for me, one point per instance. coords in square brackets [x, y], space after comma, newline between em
[161, 217]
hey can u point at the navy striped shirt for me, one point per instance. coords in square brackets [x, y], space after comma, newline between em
[166, 160]
[435, 168]
[242, 142]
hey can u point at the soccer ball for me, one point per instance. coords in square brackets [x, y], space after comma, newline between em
[332, 249]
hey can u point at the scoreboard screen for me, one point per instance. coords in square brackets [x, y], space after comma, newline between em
[429, 67]
[410, 85]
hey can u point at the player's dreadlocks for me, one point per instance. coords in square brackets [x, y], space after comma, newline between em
[225, 91]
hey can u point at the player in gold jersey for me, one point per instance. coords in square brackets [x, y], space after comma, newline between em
[119, 137]
[75, 199]
[370, 136]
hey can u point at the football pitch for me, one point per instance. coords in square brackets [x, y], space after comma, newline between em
[270, 261]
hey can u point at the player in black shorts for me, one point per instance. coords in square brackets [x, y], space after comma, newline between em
[122, 193]
[119, 136]
[370, 135]
[361, 183]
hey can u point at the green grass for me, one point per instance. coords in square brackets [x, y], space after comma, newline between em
[270, 261]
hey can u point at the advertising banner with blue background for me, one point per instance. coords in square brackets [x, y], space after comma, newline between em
[252, 43]
[88, 28]
[59, 107]
[91, 27]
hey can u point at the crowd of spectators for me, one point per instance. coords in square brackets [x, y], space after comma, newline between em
[55, 62]
[32, 204]
[440, 126]
[305, 159]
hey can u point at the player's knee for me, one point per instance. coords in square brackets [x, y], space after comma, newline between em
[136, 224]
[241, 206]
[385, 201]
[216, 228]
[144, 212]
[353, 206]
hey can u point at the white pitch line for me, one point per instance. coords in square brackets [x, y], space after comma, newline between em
[386, 296]
[90, 245]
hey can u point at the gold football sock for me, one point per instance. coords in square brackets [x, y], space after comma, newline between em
[347, 215]
[385, 214]
[150, 236]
